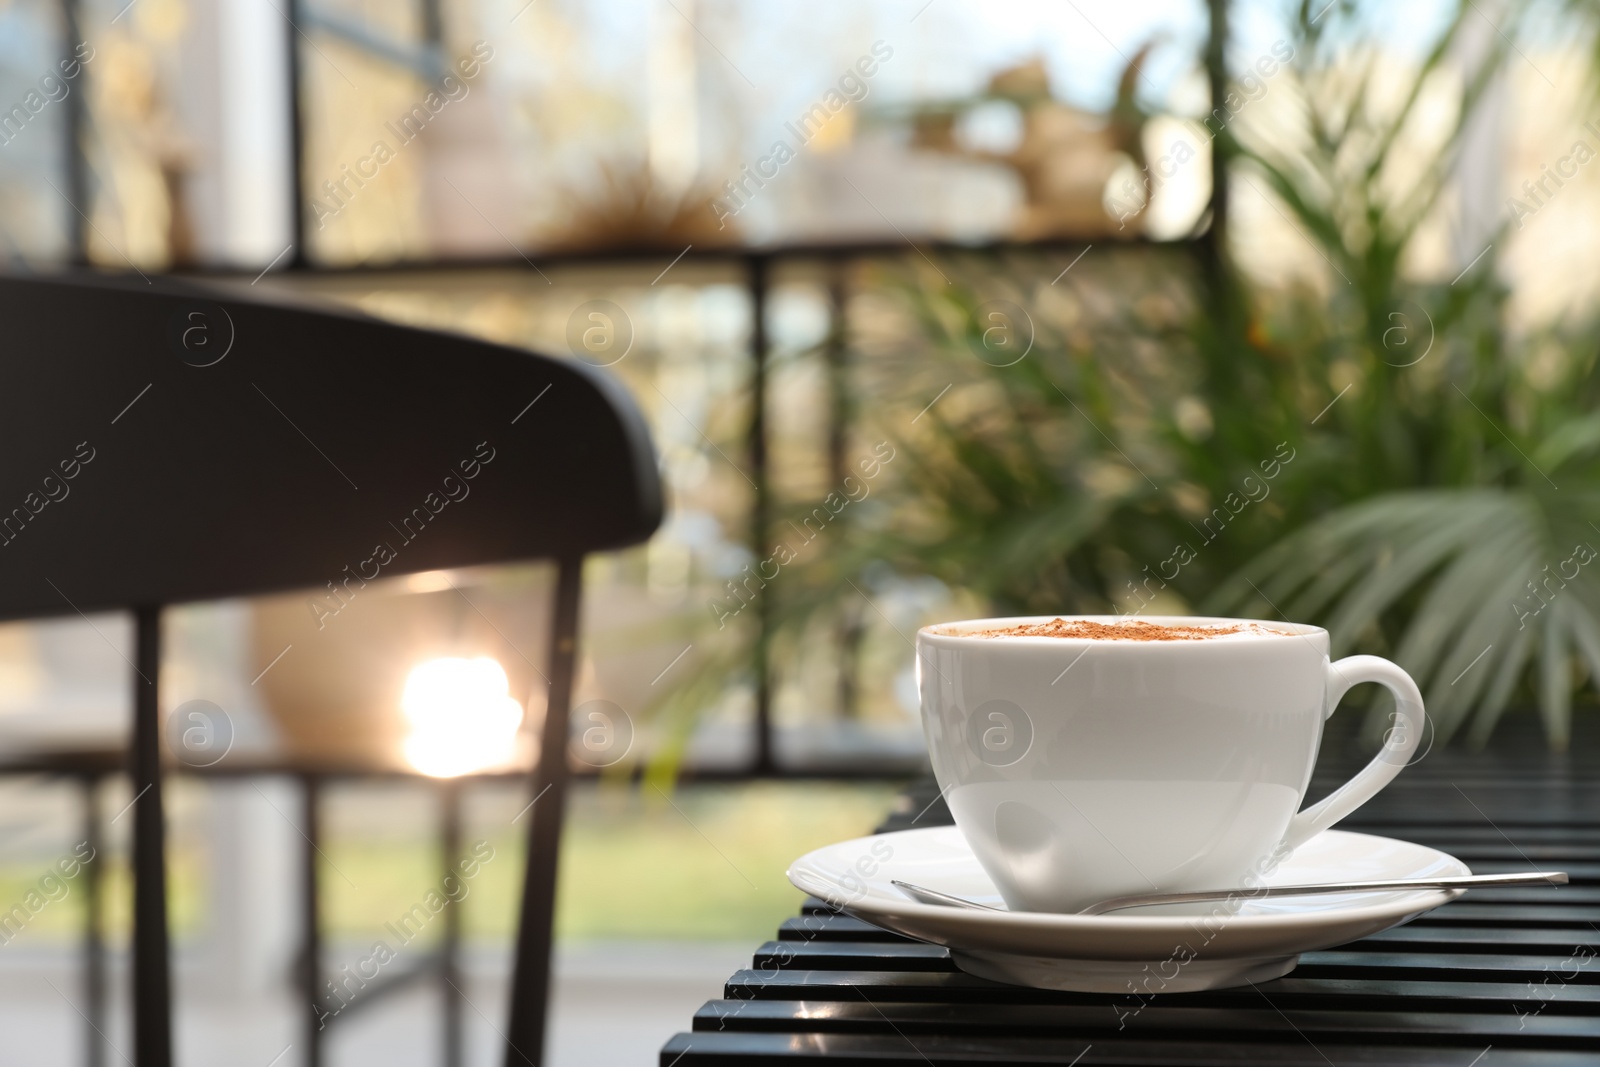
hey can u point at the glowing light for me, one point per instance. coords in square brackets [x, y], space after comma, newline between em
[462, 716]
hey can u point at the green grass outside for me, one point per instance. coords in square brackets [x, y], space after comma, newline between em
[704, 863]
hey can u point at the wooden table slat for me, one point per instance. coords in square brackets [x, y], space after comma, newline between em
[957, 987]
[736, 1049]
[1257, 1018]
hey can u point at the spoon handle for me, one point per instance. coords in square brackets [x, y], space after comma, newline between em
[1460, 882]
[933, 896]
[1140, 900]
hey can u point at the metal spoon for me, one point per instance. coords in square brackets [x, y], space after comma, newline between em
[1140, 900]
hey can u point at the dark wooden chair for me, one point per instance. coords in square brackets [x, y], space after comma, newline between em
[165, 443]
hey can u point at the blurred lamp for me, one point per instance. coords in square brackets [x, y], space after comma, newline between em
[462, 716]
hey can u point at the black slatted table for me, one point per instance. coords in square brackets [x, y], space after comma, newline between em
[1499, 977]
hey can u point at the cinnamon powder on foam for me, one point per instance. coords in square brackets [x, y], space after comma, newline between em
[1132, 630]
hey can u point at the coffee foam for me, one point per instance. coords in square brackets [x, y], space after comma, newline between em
[1130, 630]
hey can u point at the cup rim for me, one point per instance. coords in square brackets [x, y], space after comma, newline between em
[941, 632]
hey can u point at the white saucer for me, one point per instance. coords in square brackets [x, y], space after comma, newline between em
[1171, 949]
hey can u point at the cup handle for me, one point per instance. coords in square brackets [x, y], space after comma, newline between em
[1399, 742]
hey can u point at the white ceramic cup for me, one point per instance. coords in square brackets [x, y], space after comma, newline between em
[1082, 769]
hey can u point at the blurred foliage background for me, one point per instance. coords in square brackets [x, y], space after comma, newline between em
[1408, 459]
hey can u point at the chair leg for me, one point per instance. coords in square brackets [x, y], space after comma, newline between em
[94, 940]
[450, 947]
[530, 984]
[152, 992]
[311, 921]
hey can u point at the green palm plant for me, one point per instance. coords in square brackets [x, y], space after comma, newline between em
[1491, 583]
[1427, 440]
[1482, 590]
[1359, 176]
[1422, 518]
[1054, 482]
[1470, 567]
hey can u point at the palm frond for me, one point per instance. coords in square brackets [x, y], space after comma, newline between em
[1485, 580]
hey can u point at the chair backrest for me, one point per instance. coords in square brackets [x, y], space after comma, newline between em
[166, 442]
[133, 476]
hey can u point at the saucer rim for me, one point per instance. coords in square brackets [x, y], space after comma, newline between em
[1409, 903]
